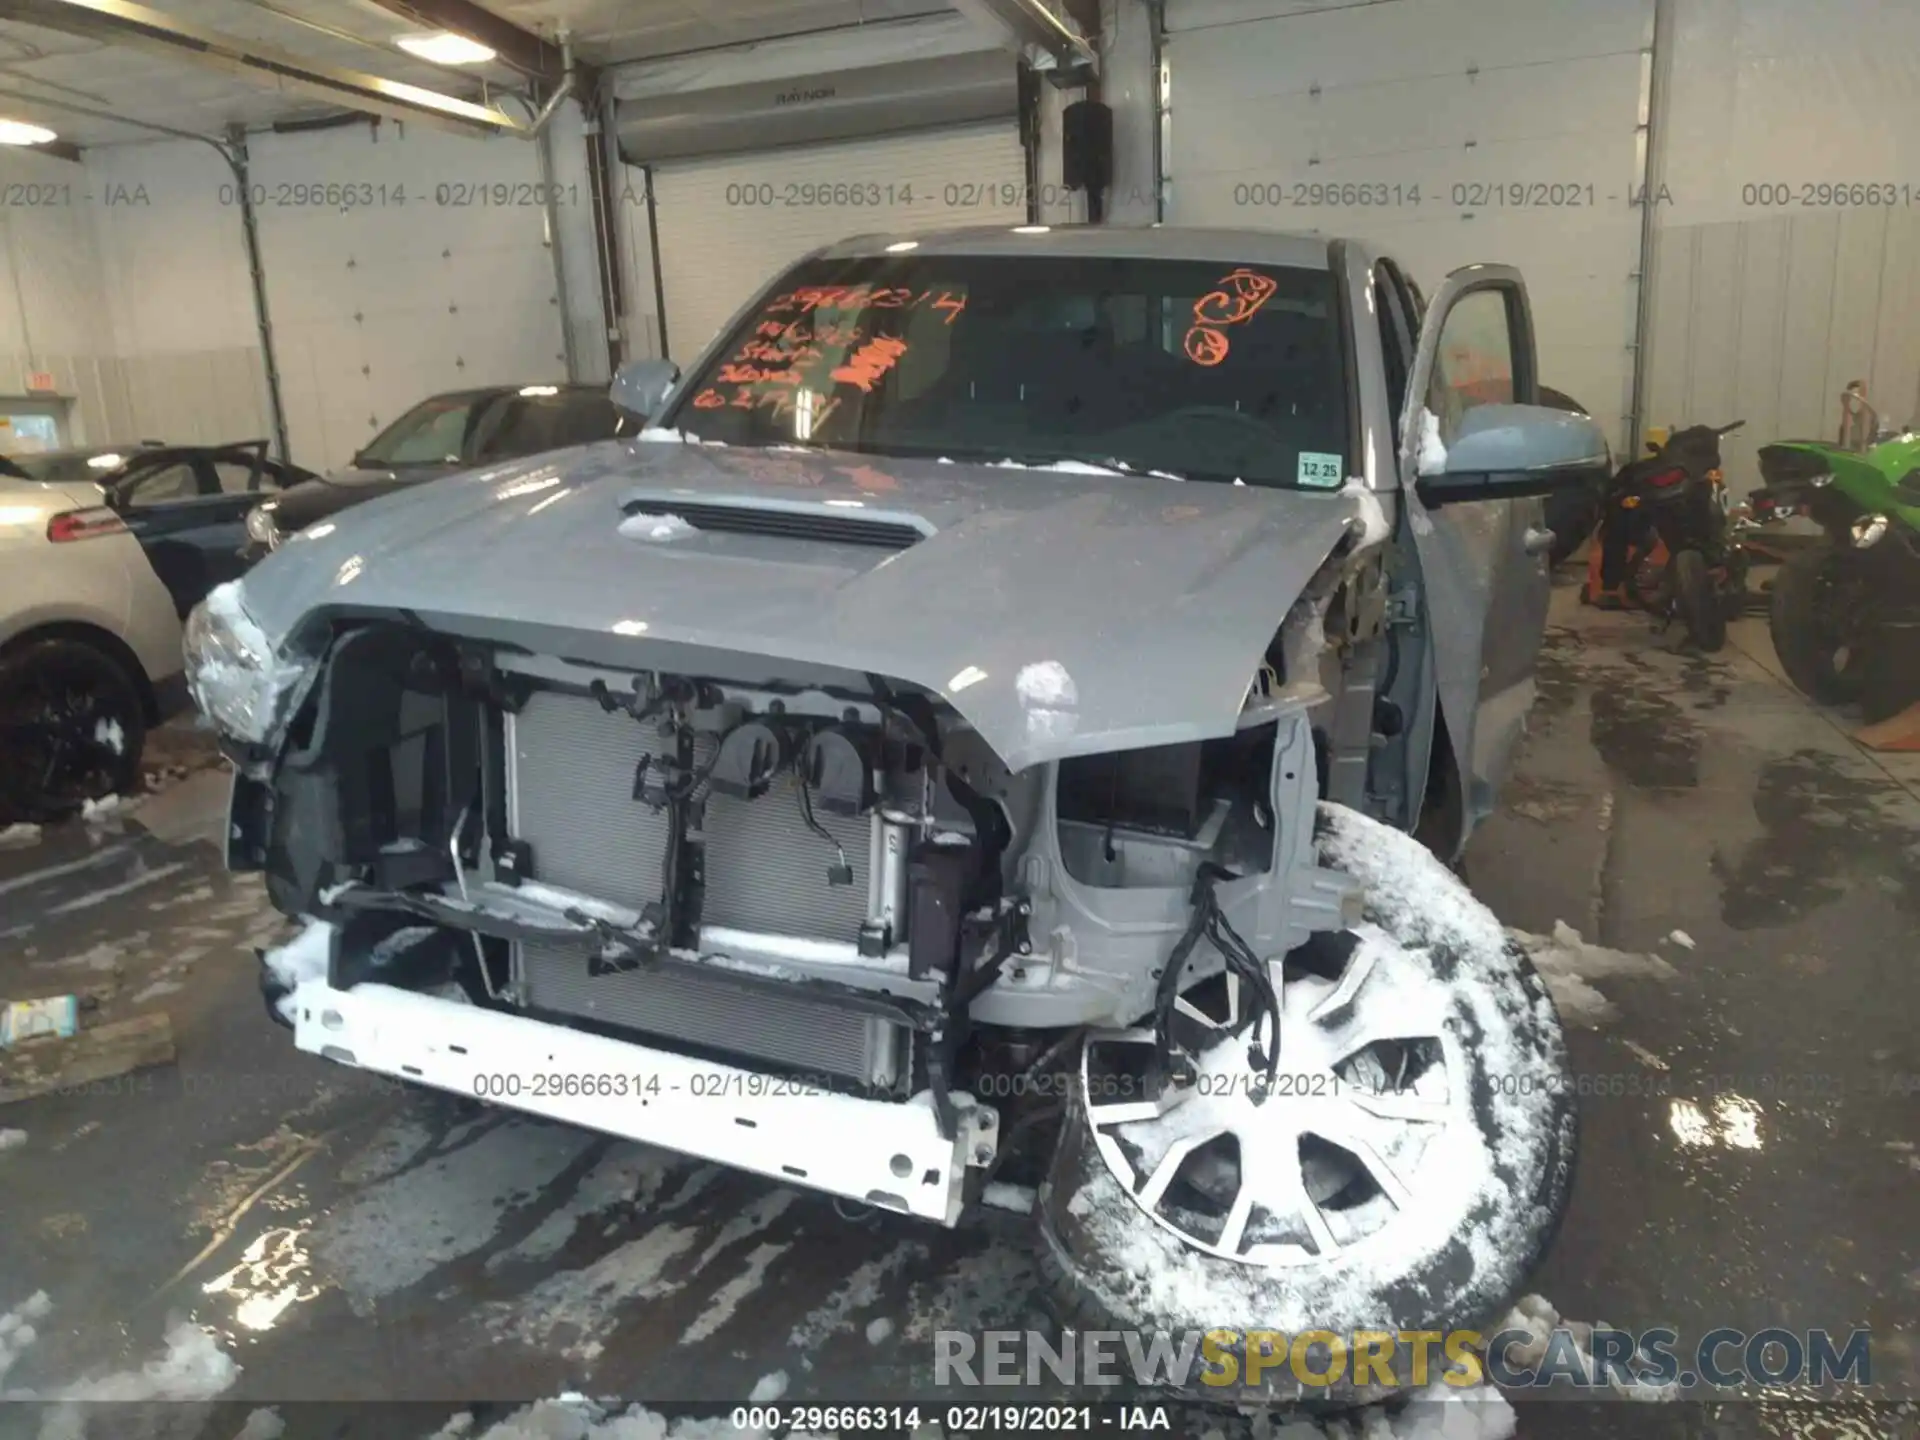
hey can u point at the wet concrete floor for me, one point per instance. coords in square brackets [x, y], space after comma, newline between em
[1748, 1152]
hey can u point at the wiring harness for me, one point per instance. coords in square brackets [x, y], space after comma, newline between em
[1210, 922]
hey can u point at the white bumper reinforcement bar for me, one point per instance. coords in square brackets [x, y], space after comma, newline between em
[884, 1153]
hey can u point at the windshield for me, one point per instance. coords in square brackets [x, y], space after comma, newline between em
[66, 466]
[1198, 369]
[434, 432]
[474, 428]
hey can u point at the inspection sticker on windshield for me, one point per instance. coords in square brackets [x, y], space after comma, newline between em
[1319, 470]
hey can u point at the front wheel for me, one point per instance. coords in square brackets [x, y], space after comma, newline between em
[1815, 618]
[1405, 1171]
[1698, 600]
[72, 724]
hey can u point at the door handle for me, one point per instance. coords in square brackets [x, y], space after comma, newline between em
[1538, 540]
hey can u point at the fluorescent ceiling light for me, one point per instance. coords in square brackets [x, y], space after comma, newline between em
[443, 47]
[18, 132]
[539, 389]
[1031, 229]
[900, 247]
[106, 462]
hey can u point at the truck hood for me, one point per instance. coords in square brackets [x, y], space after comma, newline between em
[1060, 612]
[299, 506]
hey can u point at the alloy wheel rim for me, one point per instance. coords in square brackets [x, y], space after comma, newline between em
[1327, 1164]
[57, 741]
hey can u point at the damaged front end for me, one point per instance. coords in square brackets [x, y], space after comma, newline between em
[799, 920]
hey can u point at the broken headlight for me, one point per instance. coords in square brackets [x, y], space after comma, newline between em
[232, 671]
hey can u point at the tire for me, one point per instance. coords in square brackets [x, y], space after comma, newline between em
[72, 726]
[1698, 600]
[1813, 646]
[1890, 672]
[1483, 1193]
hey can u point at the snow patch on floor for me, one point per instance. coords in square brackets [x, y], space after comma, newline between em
[1682, 939]
[878, 1330]
[574, 1311]
[990, 1290]
[16, 1329]
[627, 1177]
[1003, 1196]
[860, 1292]
[11, 1140]
[1570, 964]
[190, 1366]
[574, 1417]
[264, 1424]
[768, 1388]
[140, 877]
[398, 1231]
[105, 808]
[726, 1300]
[19, 836]
[107, 732]
[1536, 1315]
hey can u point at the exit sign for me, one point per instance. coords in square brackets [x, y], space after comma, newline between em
[40, 380]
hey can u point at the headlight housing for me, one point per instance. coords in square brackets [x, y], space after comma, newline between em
[1867, 531]
[232, 671]
[263, 527]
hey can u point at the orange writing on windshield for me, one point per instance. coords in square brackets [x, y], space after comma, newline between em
[1204, 346]
[1237, 298]
[871, 361]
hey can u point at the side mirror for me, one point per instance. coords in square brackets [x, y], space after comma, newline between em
[1506, 452]
[640, 386]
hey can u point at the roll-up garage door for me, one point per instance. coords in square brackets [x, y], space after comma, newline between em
[1442, 132]
[398, 270]
[727, 224]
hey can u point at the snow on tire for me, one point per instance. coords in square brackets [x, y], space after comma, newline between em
[1407, 1170]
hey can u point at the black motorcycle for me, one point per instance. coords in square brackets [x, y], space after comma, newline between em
[1667, 542]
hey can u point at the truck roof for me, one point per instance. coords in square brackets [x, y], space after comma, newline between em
[1133, 242]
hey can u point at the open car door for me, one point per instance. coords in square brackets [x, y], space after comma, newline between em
[1484, 561]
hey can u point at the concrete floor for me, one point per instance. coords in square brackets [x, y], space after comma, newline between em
[351, 1241]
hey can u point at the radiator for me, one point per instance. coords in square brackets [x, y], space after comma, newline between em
[570, 783]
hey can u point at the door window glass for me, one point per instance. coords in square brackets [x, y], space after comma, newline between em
[1474, 364]
[168, 483]
[235, 477]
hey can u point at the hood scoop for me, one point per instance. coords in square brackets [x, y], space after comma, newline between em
[847, 522]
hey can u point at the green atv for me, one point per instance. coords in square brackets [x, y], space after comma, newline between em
[1845, 614]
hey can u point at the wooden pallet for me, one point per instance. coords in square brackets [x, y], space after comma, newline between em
[47, 1064]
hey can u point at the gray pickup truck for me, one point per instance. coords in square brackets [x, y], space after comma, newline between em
[1014, 704]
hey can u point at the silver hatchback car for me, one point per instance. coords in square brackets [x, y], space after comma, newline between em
[983, 722]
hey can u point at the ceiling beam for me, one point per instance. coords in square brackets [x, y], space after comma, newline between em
[531, 54]
[129, 23]
[1036, 29]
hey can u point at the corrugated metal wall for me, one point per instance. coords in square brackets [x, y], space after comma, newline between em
[178, 300]
[1766, 320]
[436, 278]
[1770, 293]
[52, 314]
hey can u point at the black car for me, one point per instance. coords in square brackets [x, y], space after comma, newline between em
[439, 436]
[187, 505]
